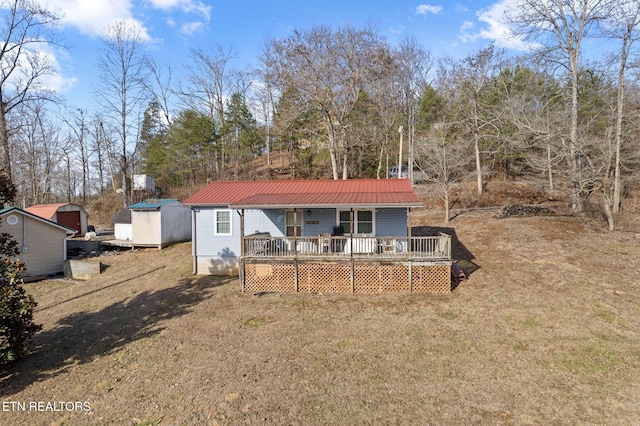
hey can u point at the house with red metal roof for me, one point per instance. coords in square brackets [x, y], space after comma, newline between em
[313, 235]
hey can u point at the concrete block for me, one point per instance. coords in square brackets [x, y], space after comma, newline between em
[82, 269]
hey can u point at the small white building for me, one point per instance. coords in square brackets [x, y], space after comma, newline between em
[41, 242]
[159, 223]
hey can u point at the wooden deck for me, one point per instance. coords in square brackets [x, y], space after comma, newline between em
[328, 264]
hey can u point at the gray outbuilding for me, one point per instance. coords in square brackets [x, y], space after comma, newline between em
[159, 223]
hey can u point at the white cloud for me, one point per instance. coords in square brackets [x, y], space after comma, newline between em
[495, 27]
[190, 28]
[423, 9]
[466, 32]
[460, 8]
[188, 6]
[91, 17]
[42, 55]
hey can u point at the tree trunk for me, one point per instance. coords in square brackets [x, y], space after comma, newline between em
[608, 214]
[620, 111]
[574, 153]
[476, 143]
[332, 146]
[5, 156]
[447, 213]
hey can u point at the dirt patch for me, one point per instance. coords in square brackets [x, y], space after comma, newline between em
[545, 331]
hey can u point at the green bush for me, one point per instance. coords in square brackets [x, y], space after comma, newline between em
[16, 307]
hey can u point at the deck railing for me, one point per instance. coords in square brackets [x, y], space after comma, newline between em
[427, 248]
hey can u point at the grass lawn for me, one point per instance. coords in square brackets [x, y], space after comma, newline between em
[545, 331]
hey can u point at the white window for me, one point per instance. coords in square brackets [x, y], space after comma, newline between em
[363, 221]
[293, 221]
[222, 222]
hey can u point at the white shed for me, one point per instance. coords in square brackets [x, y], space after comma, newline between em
[158, 223]
[42, 243]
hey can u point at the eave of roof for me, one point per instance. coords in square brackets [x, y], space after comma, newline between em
[8, 210]
[359, 199]
[152, 204]
[307, 193]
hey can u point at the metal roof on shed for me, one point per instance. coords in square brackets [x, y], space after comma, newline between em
[45, 210]
[307, 193]
[152, 204]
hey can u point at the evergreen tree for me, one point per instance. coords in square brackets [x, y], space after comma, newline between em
[242, 129]
[192, 148]
[156, 159]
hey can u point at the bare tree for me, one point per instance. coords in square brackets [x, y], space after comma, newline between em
[414, 65]
[473, 77]
[25, 25]
[36, 154]
[264, 95]
[622, 25]
[78, 145]
[558, 28]
[121, 90]
[209, 83]
[162, 88]
[329, 70]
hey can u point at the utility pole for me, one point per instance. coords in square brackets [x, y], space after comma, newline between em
[400, 130]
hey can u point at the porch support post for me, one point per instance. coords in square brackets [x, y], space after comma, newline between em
[295, 231]
[242, 250]
[409, 231]
[295, 274]
[351, 220]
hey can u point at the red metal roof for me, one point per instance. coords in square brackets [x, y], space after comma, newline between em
[307, 193]
[45, 211]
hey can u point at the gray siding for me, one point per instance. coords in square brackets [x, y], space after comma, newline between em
[271, 221]
[176, 224]
[214, 254]
[391, 222]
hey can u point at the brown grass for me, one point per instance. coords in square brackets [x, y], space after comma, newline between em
[545, 331]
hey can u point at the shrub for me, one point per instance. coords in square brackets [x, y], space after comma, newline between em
[16, 307]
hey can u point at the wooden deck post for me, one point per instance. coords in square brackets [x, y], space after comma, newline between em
[241, 263]
[296, 277]
[410, 276]
[352, 275]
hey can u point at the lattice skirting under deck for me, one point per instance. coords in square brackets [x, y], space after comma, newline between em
[346, 277]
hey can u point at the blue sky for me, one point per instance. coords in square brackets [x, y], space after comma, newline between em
[171, 28]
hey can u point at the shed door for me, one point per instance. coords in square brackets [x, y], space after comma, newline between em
[70, 220]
